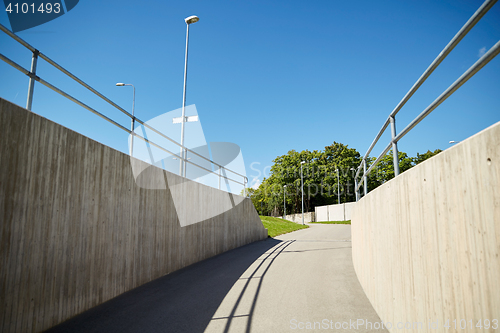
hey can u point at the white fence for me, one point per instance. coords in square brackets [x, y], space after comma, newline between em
[339, 212]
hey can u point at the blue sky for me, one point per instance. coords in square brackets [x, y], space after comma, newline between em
[270, 76]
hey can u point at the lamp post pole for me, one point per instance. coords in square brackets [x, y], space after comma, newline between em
[284, 202]
[182, 166]
[338, 186]
[302, 189]
[133, 116]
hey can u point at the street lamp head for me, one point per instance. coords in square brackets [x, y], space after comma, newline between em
[302, 162]
[284, 185]
[192, 19]
[120, 84]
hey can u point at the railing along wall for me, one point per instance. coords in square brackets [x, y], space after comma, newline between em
[487, 57]
[34, 77]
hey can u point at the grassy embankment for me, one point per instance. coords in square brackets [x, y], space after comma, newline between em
[277, 226]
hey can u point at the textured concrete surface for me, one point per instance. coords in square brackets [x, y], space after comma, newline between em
[341, 212]
[277, 285]
[348, 208]
[335, 212]
[76, 230]
[321, 213]
[426, 244]
[297, 218]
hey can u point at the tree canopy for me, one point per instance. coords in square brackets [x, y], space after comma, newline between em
[327, 175]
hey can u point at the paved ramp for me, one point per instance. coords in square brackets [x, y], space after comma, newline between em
[302, 281]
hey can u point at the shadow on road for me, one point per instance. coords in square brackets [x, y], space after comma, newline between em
[258, 273]
[184, 301]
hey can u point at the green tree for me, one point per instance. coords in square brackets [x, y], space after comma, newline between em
[342, 158]
[422, 157]
[319, 175]
[320, 178]
[384, 170]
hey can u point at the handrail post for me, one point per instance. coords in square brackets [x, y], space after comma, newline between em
[245, 186]
[219, 176]
[132, 132]
[356, 186]
[132, 124]
[395, 157]
[184, 173]
[365, 185]
[31, 88]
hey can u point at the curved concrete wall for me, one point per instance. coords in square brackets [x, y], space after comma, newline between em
[76, 230]
[426, 244]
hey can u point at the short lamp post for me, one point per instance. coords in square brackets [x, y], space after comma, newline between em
[338, 186]
[302, 189]
[133, 116]
[284, 202]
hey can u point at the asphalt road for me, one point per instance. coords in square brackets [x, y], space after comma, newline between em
[303, 281]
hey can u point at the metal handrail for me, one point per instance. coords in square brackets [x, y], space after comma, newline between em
[487, 57]
[34, 77]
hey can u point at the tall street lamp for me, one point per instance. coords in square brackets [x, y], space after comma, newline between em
[133, 117]
[182, 167]
[338, 185]
[302, 189]
[284, 203]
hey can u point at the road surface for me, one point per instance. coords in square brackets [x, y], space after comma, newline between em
[303, 281]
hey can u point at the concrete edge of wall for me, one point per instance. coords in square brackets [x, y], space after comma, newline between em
[426, 244]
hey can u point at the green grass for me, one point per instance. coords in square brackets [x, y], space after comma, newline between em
[335, 222]
[277, 226]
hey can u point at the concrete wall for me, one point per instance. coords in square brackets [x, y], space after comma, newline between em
[339, 212]
[77, 231]
[321, 213]
[335, 212]
[426, 244]
[348, 208]
[297, 218]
